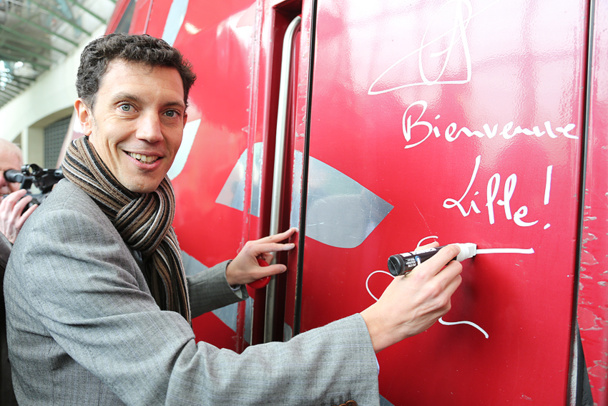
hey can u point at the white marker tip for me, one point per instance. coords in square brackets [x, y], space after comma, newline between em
[467, 250]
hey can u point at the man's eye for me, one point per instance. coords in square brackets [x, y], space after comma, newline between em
[125, 107]
[173, 113]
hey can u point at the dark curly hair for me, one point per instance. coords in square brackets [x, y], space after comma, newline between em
[144, 48]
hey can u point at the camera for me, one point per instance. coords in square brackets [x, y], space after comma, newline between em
[31, 175]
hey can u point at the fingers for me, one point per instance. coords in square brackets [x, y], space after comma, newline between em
[450, 275]
[12, 198]
[21, 205]
[12, 215]
[280, 236]
[13, 205]
[269, 270]
[265, 246]
[26, 215]
[437, 262]
[262, 249]
[443, 270]
[255, 249]
[245, 268]
[15, 201]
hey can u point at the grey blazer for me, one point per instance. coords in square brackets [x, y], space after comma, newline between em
[83, 329]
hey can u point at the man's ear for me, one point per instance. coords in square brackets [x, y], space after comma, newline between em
[185, 119]
[85, 116]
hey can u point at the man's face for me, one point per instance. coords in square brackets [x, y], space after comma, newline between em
[137, 122]
[8, 161]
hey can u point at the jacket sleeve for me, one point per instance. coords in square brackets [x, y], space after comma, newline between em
[73, 274]
[209, 290]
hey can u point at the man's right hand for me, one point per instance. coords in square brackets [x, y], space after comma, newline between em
[245, 268]
[12, 216]
[413, 303]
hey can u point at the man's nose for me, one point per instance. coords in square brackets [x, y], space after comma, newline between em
[149, 128]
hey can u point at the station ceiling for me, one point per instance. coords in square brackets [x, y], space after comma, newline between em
[36, 35]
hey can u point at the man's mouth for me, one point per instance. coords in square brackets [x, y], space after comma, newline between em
[146, 159]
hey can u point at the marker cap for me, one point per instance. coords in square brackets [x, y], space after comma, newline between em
[396, 265]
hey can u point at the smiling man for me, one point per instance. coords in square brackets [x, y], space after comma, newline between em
[136, 128]
[98, 306]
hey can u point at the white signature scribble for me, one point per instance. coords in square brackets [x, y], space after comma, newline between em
[449, 29]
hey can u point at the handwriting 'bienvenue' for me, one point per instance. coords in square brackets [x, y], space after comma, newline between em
[417, 128]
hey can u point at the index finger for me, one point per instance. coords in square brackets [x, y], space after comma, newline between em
[21, 204]
[281, 236]
[268, 248]
[437, 262]
[15, 196]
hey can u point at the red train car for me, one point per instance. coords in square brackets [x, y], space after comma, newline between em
[373, 126]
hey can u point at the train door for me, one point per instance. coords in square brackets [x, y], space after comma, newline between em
[458, 121]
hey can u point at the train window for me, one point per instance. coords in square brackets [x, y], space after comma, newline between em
[125, 20]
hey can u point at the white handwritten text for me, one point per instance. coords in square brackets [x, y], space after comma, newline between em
[417, 129]
[493, 198]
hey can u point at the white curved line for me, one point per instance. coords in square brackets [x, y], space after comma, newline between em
[426, 238]
[454, 323]
[367, 282]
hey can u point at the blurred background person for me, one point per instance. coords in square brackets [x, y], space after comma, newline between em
[13, 201]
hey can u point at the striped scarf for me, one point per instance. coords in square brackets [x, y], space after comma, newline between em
[142, 219]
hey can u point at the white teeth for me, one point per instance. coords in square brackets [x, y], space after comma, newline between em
[143, 158]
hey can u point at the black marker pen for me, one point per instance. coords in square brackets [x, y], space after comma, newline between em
[402, 264]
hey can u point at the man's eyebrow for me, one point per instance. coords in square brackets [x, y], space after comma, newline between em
[124, 96]
[177, 103]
